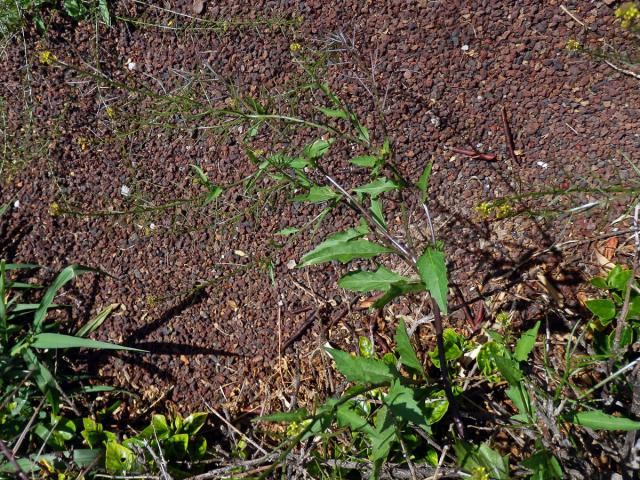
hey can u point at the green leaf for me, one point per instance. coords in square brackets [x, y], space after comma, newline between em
[377, 213]
[58, 340]
[520, 398]
[365, 347]
[288, 231]
[194, 422]
[404, 404]
[66, 275]
[453, 347]
[433, 272]
[603, 308]
[317, 149]
[348, 417]
[526, 342]
[94, 324]
[408, 355]
[288, 417]
[397, 290]
[598, 420]
[364, 370]
[423, 182]
[75, 9]
[600, 282]
[317, 195]
[475, 457]
[334, 113]
[377, 187]
[103, 9]
[618, 278]
[436, 407]
[363, 281]
[118, 458]
[544, 466]
[177, 446]
[367, 161]
[385, 435]
[363, 132]
[509, 370]
[343, 252]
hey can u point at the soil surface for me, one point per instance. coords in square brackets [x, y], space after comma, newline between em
[105, 176]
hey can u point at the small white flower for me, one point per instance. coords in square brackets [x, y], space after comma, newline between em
[125, 191]
[152, 226]
[543, 165]
[465, 48]
[16, 204]
[131, 65]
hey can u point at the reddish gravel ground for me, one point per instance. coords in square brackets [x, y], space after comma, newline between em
[446, 70]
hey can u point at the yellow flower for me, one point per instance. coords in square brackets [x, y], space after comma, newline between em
[111, 112]
[484, 210]
[479, 473]
[258, 152]
[295, 47]
[629, 14]
[573, 45]
[83, 143]
[47, 58]
[54, 209]
[503, 211]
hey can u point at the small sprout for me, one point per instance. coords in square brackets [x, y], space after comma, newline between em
[573, 45]
[54, 209]
[111, 113]
[503, 318]
[295, 47]
[225, 26]
[83, 143]
[47, 58]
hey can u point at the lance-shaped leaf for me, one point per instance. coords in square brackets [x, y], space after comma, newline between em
[408, 355]
[362, 281]
[378, 186]
[343, 252]
[58, 340]
[317, 149]
[598, 420]
[316, 195]
[397, 290]
[433, 272]
[364, 370]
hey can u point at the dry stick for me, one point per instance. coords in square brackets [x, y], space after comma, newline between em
[622, 70]
[12, 459]
[511, 146]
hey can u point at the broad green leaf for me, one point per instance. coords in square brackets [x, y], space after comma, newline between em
[598, 420]
[385, 435]
[618, 278]
[194, 422]
[433, 272]
[75, 9]
[408, 355]
[317, 195]
[118, 458]
[94, 324]
[176, 446]
[453, 347]
[376, 211]
[509, 370]
[317, 149]
[288, 417]
[398, 289]
[288, 231]
[423, 182]
[367, 161]
[599, 282]
[365, 370]
[404, 404]
[58, 340]
[525, 343]
[66, 275]
[544, 466]
[197, 448]
[103, 9]
[363, 281]
[603, 308]
[334, 113]
[343, 252]
[474, 457]
[520, 398]
[348, 417]
[377, 187]
[214, 193]
[436, 407]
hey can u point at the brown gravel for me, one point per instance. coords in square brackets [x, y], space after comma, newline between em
[447, 69]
